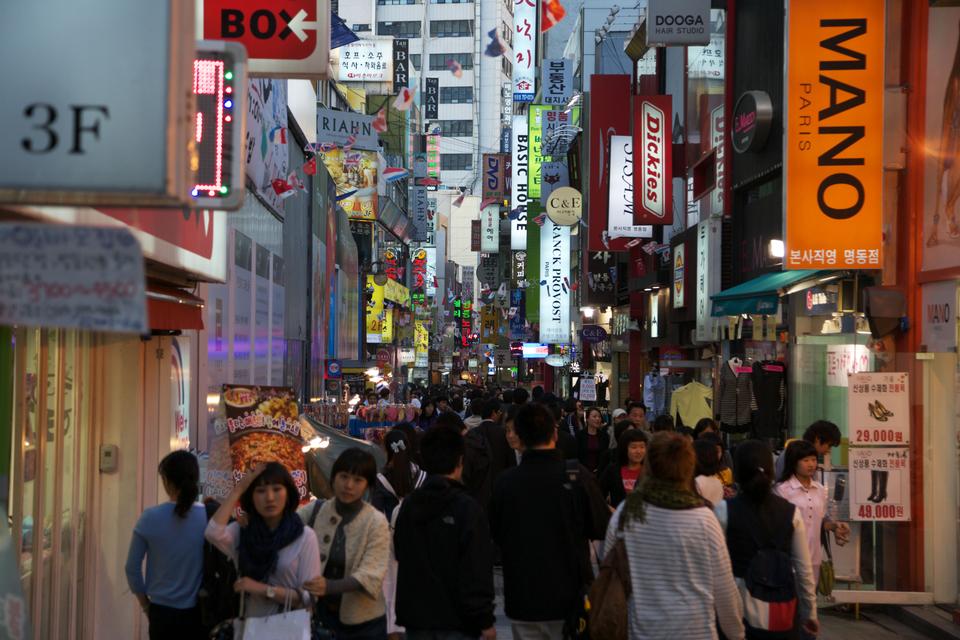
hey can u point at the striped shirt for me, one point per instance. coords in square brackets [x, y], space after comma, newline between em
[681, 576]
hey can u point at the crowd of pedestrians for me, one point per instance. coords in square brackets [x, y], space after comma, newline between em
[705, 543]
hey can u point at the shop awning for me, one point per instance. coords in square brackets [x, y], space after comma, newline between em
[761, 296]
[172, 309]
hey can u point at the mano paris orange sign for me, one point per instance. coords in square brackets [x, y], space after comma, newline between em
[834, 142]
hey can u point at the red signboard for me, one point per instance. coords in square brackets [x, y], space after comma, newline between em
[609, 115]
[285, 39]
[653, 168]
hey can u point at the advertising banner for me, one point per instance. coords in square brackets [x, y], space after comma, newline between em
[834, 134]
[494, 178]
[878, 409]
[365, 60]
[376, 316]
[620, 221]
[653, 173]
[263, 426]
[490, 228]
[355, 171]
[518, 184]
[338, 127]
[556, 81]
[940, 316]
[880, 484]
[267, 154]
[555, 294]
[609, 115]
[524, 50]
[941, 171]
[535, 133]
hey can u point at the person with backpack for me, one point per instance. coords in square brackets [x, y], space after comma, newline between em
[680, 577]
[170, 537]
[767, 542]
[399, 477]
[445, 558]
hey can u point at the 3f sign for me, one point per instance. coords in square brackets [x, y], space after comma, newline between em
[86, 119]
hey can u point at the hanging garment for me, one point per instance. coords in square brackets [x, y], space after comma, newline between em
[654, 394]
[692, 403]
[736, 394]
[769, 391]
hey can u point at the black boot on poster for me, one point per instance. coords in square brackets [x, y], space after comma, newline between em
[882, 494]
[874, 485]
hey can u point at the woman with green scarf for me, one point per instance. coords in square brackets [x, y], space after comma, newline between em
[679, 566]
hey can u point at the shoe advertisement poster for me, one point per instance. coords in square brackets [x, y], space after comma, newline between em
[878, 409]
[880, 484]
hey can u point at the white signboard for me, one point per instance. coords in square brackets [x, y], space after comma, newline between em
[588, 389]
[490, 228]
[878, 409]
[845, 359]
[555, 284]
[518, 186]
[880, 484]
[80, 128]
[524, 50]
[69, 276]
[940, 316]
[364, 61]
[339, 127]
[678, 22]
[620, 221]
[556, 81]
[708, 279]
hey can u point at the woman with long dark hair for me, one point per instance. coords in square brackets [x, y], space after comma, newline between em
[428, 414]
[759, 519]
[275, 553]
[593, 440]
[170, 536]
[621, 476]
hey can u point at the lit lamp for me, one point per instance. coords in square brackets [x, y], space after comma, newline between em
[777, 249]
[587, 312]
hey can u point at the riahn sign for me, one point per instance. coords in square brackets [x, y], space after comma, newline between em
[678, 22]
[653, 175]
[834, 134]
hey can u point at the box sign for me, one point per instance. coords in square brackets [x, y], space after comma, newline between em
[834, 135]
[752, 117]
[653, 175]
[878, 409]
[524, 50]
[678, 22]
[620, 221]
[518, 184]
[879, 484]
[565, 206]
[288, 41]
[365, 61]
[339, 126]
[531, 350]
[220, 91]
[78, 128]
[556, 81]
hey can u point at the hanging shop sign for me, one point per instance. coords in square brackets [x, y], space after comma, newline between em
[880, 484]
[620, 223]
[365, 61]
[419, 273]
[488, 272]
[555, 176]
[559, 130]
[490, 228]
[433, 159]
[655, 314]
[565, 206]
[518, 184]
[878, 409]
[420, 221]
[601, 279]
[718, 128]
[344, 128]
[588, 389]
[81, 139]
[834, 135]
[468, 274]
[431, 98]
[292, 41]
[611, 94]
[535, 132]
[79, 277]
[940, 316]
[401, 63]
[376, 316]
[534, 350]
[556, 81]
[494, 178]
[708, 279]
[355, 173]
[524, 50]
[679, 276]
[555, 293]
[752, 117]
[517, 314]
[678, 22]
[557, 360]
[653, 173]
[593, 333]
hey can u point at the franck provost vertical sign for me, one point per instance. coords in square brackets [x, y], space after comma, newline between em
[555, 294]
[518, 184]
[524, 50]
[834, 134]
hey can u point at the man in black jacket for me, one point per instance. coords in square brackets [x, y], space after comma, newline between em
[487, 452]
[443, 549]
[541, 518]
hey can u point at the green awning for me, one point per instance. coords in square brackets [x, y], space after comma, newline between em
[761, 296]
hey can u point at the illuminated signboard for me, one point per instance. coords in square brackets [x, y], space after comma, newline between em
[535, 350]
[220, 89]
[433, 159]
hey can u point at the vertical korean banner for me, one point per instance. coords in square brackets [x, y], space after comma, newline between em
[535, 135]
[555, 294]
[609, 115]
[518, 185]
[556, 81]
[833, 192]
[421, 342]
[490, 228]
[524, 50]
[653, 173]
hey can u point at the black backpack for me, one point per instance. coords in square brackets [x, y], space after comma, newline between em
[217, 599]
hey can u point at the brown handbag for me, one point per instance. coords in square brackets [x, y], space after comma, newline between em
[609, 596]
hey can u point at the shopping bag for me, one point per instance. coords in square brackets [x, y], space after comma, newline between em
[289, 625]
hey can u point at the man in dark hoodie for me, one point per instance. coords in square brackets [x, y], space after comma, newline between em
[487, 452]
[444, 554]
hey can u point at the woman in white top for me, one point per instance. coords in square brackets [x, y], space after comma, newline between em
[276, 555]
[708, 482]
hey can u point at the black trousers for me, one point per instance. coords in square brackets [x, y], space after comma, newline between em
[167, 623]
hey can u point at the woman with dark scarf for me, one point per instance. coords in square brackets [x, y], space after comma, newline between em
[354, 551]
[276, 555]
[679, 567]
